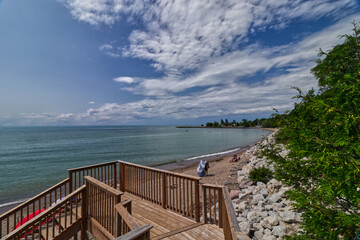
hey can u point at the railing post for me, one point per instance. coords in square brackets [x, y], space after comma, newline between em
[164, 193]
[204, 205]
[118, 219]
[197, 201]
[114, 175]
[70, 182]
[122, 176]
[84, 196]
[221, 207]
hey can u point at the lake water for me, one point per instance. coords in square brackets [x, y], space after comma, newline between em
[34, 158]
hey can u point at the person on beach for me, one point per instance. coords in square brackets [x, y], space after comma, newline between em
[202, 168]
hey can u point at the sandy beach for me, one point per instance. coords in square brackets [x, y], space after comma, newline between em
[220, 167]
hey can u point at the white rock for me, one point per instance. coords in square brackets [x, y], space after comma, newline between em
[270, 237]
[271, 220]
[279, 231]
[254, 216]
[264, 192]
[261, 184]
[259, 234]
[265, 224]
[245, 213]
[257, 198]
[268, 207]
[261, 204]
[241, 219]
[289, 217]
[267, 232]
[244, 227]
[275, 183]
[257, 227]
[274, 198]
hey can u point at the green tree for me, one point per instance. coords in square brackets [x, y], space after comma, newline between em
[209, 124]
[222, 122]
[226, 122]
[323, 131]
[216, 124]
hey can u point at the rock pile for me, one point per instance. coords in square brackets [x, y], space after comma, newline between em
[263, 212]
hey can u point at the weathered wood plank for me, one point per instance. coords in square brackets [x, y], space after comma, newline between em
[135, 234]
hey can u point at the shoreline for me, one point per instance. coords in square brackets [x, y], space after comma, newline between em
[220, 165]
[218, 172]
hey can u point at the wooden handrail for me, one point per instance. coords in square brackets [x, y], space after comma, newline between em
[41, 200]
[103, 186]
[142, 232]
[174, 191]
[125, 215]
[106, 172]
[91, 166]
[230, 224]
[160, 170]
[4, 215]
[41, 215]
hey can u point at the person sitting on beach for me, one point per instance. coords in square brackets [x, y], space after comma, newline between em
[207, 166]
[234, 159]
[201, 168]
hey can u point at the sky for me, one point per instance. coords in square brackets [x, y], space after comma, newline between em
[169, 62]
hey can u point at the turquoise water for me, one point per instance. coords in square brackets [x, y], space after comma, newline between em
[35, 158]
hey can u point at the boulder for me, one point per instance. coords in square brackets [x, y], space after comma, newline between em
[271, 220]
[289, 217]
[274, 198]
[241, 219]
[269, 237]
[257, 198]
[279, 231]
[257, 227]
[244, 227]
[234, 194]
[254, 217]
[259, 234]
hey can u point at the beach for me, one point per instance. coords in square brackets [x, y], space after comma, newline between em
[220, 166]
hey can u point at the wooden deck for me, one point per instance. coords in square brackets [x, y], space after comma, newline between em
[169, 225]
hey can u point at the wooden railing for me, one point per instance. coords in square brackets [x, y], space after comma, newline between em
[218, 209]
[212, 199]
[101, 202]
[229, 222]
[60, 221]
[98, 204]
[177, 192]
[21, 213]
[104, 172]
[128, 226]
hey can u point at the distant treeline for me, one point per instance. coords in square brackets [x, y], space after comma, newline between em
[272, 122]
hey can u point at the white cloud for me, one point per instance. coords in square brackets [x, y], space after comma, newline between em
[110, 50]
[196, 45]
[128, 80]
[91, 102]
[95, 12]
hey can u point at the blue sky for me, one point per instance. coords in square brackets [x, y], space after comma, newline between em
[100, 62]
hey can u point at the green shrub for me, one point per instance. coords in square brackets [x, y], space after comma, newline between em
[282, 137]
[261, 174]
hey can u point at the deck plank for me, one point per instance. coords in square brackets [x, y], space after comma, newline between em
[165, 221]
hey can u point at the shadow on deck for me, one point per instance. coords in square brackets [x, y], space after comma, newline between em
[170, 225]
[124, 201]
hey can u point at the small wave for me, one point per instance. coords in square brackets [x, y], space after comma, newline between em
[12, 203]
[213, 154]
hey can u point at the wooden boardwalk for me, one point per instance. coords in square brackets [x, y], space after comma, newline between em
[170, 225]
[120, 200]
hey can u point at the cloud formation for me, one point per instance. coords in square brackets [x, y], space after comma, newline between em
[210, 65]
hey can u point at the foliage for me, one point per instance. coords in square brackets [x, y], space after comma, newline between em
[273, 122]
[261, 174]
[323, 129]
